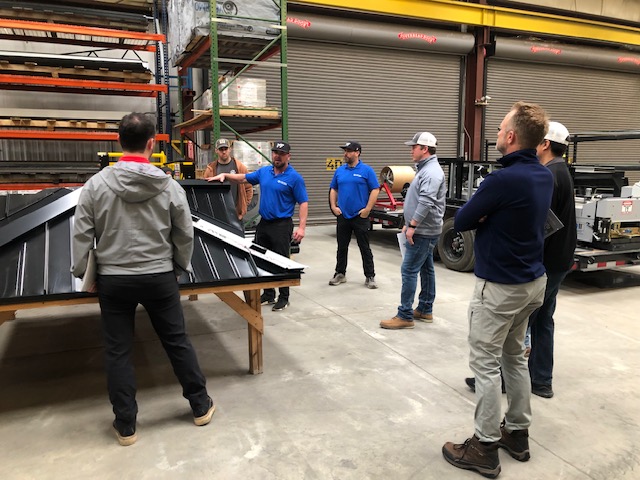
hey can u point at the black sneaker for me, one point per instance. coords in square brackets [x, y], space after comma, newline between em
[544, 391]
[281, 304]
[125, 432]
[202, 415]
[266, 299]
[471, 383]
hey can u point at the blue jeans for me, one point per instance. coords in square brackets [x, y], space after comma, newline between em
[542, 327]
[418, 258]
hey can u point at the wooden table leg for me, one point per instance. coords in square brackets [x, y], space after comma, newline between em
[250, 309]
[7, 315]
[252, 297]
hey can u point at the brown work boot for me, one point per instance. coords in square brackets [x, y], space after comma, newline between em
[516, 443]
[396, 323]
[475, 455]
[425, 317]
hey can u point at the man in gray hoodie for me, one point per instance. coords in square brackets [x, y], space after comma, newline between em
[424, 208]
[140, 222]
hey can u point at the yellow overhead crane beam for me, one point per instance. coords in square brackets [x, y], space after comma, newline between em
[475, 14]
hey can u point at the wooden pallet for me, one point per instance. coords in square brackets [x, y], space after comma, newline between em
[244, 112]
[77, 72]
[115, 4]
[52, 124]
[49, 17]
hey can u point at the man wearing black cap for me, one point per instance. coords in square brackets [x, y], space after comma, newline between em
[225, 163]
[281, 187]
[354, 190]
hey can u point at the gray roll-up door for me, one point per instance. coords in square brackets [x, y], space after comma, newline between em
[583, 99]
[377, 96]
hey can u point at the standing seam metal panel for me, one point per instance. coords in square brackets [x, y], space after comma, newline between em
[377, 96]
[580, 98]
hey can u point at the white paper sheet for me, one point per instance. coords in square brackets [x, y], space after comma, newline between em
[402, 239]
[90, 274]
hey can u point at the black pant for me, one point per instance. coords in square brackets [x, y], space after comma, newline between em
[359, 226]
[119, 296]
[276, 236]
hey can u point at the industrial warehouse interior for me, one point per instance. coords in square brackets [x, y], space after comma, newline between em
[339, 397]
[315, 385]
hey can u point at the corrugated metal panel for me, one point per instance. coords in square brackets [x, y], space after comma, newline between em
[377, 96]
[584, 100]
[35, 245]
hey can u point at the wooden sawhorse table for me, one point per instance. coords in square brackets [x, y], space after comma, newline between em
[250, 309]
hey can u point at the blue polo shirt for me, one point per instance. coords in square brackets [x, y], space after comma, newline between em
[354, 185]
[279, 193]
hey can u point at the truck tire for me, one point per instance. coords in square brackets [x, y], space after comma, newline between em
[456, 248]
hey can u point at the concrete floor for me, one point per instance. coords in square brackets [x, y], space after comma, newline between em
[339, 398]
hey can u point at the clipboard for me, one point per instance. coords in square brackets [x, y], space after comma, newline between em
[552, 224]
[91, 273]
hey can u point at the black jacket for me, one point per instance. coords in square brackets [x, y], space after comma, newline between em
[559, 247]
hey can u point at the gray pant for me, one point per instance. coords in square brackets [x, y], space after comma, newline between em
[498, 316]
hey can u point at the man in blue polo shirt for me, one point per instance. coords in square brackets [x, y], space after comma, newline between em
[354, 190]
[281, 187]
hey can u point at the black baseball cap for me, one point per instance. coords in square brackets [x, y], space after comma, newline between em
[281, 146]
[351, 145]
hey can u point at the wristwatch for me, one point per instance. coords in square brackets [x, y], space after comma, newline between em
[411, 226]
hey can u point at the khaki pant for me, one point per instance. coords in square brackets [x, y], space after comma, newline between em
[498, 316]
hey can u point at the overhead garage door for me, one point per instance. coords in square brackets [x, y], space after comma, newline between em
[583, 99]
[375, 95]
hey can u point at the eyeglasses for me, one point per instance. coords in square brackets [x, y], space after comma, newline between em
[224, 149]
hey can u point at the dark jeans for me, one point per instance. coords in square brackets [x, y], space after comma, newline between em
[119, 296]
[542, 327]
[344, 228]
[276, 236]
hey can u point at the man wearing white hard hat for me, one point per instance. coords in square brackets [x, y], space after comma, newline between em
[424, 207]
[558, 257]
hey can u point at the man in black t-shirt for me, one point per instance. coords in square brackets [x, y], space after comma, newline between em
[558, 258]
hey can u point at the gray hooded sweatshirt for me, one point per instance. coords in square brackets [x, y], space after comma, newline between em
[140, 220]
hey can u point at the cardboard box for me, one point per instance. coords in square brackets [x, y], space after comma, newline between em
[242, 92]
[252, 159]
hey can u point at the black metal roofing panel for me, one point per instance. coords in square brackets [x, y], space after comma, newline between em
[35, 245]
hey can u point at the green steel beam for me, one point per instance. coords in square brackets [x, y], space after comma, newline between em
[511, 19]
[215, 73]
[284, 77]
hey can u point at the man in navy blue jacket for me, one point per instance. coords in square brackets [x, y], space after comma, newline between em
[508, 211]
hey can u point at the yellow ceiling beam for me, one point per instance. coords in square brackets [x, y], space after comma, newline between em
[474, 14]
